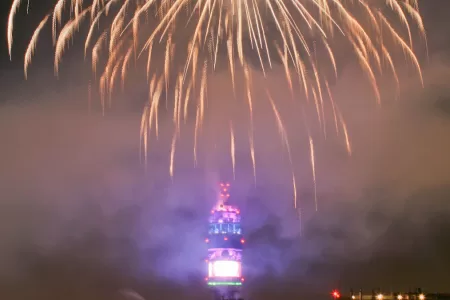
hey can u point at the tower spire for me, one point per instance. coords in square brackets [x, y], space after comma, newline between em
[224, 193]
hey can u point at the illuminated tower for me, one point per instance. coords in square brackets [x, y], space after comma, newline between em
[225, 243]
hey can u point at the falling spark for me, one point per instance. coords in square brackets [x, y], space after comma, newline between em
[252, 154]
[295, 190]
[96, 52]
[66, 34]
[232, 149]
[172, 154]
[126, 62]
[333, 106]
[32, 45]
[344, 127]
[313, 168]
[14, 8]
[285, 140]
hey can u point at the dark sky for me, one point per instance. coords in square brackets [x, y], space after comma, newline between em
[81, 218]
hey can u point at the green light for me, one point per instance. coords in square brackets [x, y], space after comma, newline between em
[224, 283]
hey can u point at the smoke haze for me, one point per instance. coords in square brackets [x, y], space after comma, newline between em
[82, 217]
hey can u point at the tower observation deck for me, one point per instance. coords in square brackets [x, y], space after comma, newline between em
[225, 245]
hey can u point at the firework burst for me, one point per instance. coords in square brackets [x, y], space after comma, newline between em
[236, 29]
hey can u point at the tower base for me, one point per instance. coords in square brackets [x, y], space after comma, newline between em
[227, 293]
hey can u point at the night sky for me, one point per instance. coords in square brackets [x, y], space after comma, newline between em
[82, 218]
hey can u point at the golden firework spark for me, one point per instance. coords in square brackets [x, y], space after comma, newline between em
[237, 28]
[32, 45]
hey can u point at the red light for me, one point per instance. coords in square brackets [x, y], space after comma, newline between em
[212, 211]
[336, 294]
[238, 212]
[225, 238]
[242, 279]
[228, 184]
[225, 190]
[242, 241]
[206, 240]
[206, 278]
[206, 260]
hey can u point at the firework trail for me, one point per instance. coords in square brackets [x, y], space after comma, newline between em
[32, 45]
[172, 154]
[197, 31]
[313, 167]
[252, 154]
[233, 150]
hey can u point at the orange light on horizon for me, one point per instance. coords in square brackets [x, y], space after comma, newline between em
[336, 294]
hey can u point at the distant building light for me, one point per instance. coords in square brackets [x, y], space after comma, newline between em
[336, 295]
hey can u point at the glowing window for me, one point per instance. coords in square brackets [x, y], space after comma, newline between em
[224, 268]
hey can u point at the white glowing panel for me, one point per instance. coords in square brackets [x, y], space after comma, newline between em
[225, 268]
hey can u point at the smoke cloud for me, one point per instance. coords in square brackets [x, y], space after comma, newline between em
[83, 217]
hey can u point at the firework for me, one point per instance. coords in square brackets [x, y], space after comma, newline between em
[238, 26]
